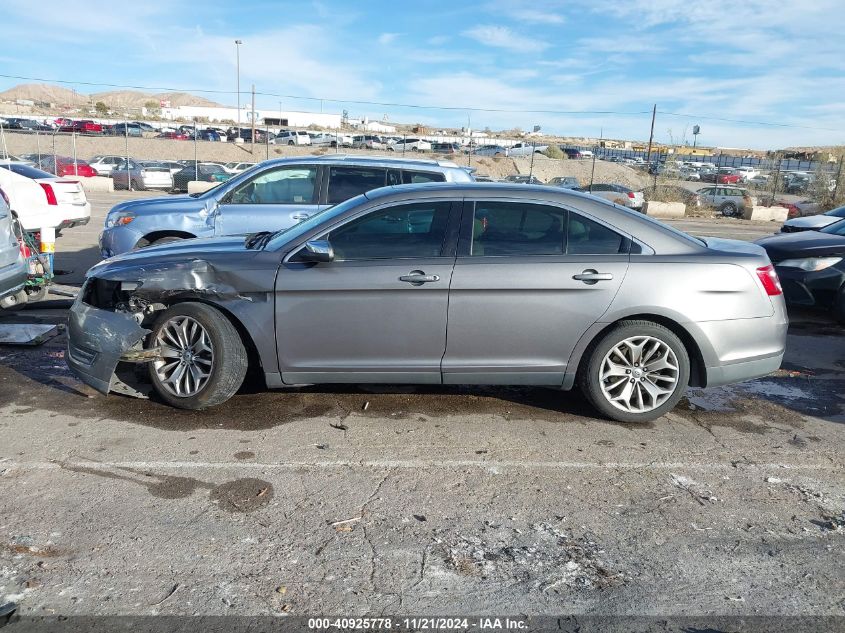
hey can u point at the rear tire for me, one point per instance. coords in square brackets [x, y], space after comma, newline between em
[729, 209]
[621, 387]
[212, 349]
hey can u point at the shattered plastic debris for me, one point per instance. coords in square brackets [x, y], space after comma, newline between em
[545, 557]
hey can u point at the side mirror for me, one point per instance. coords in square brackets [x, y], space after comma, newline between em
[319, 251]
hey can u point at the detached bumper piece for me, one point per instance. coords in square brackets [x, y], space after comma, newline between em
[99, 339]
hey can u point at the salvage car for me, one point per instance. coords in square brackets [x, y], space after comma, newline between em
[13, 266]
[273, 195]
[440, 283]
[813, 222]
[811, 266]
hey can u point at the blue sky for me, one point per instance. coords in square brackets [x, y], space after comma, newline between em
[748, 60]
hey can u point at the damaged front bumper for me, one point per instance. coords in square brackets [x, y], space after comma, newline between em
[98, 340]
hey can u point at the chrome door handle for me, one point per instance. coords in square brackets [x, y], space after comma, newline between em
[418, 278]
[591, 276]
[300, 216]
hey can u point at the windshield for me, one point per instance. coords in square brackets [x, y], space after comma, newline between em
[837, 228]
[284, 236]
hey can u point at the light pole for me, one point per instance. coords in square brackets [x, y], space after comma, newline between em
[238, 67]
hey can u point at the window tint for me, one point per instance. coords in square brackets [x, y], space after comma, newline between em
[348, 182]
[600, 187]
[586, 237]
[409, 177]
[287, 185]
[403, 231]
[511, 228]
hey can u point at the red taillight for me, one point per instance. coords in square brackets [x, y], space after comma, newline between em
[769, 279]
[5, 198]
[48, 191]
[631, 195]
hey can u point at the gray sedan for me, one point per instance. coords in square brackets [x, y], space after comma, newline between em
[441, 283]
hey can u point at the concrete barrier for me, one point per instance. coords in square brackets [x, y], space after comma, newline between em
[779, 214]
[665, 209]
[94, 183]
[198, 186]
[766, 214]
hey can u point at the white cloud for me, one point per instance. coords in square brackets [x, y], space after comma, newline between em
[387, 38]
[503, 37]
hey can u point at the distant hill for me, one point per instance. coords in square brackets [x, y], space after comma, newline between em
[134, 99]
[44, 92]
[115, 98]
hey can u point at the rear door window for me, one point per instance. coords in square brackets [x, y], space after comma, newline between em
[348, 182]
[409, 177]
[587, 237]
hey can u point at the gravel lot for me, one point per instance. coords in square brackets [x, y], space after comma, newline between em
[359, 500]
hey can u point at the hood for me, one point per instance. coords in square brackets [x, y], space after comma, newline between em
[227, 248]
[813, 221]
[168, 204]
[802, 244]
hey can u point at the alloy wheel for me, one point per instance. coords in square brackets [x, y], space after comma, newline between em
[639, 374]
[187, 356]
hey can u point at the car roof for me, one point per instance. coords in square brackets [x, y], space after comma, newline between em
[375, 161]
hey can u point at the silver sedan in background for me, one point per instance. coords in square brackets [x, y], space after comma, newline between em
[442, 283]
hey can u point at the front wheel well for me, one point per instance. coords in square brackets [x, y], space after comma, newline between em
[698, 371]
[157, 235]
[255, 369]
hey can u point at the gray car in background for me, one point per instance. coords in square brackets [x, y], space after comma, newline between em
[270, 196]
[13, 267]
[467, 283]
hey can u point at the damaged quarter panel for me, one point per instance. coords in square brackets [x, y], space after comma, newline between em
[118, 304]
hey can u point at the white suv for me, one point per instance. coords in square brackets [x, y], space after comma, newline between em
[292, 137]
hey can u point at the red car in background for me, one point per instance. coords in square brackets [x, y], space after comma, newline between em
[64, 166]
[174, 136]
[81, 127]
[724, 176]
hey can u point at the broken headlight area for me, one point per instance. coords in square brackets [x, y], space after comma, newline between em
[119, 296]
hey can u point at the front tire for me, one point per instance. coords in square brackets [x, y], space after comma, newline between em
[636, 372]
[203, 357]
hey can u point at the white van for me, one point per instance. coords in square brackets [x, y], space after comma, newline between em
[292, 137]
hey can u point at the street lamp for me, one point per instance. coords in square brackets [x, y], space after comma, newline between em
[238, 66]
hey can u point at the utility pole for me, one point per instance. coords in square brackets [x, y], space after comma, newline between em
[531, 169]
[196, 164]
[252, 116]
[651, 135]
[238, 84]
[595, 151]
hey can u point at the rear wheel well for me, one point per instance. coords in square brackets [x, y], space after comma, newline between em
[698, 372]
[157, 235]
